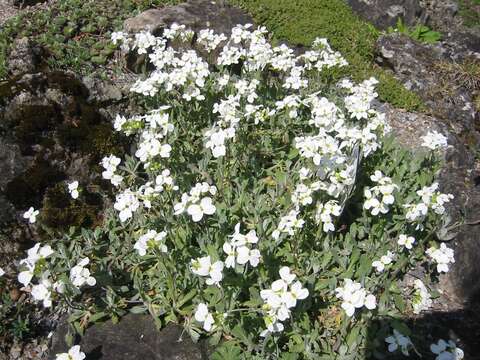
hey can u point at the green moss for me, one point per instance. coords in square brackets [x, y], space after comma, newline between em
[300, 22]
[469, 10]
[60, 211]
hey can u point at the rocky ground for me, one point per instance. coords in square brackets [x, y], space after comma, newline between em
[38, 155]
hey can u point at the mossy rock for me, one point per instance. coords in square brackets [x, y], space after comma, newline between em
[28, 188]
[61, 211]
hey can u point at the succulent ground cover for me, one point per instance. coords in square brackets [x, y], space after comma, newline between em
[75, 34]
[264, 207]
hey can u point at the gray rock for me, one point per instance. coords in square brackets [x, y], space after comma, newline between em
[418, 66]
[24, 57]
[133, 337]
[385, 13]
[195, 14]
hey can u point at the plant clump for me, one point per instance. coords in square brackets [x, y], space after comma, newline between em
[253, 206]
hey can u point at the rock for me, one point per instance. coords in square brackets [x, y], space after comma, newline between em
[195, 14]
[133, 337]
[429, 70]
[24, 57]
[458, 176]
[102, 92]
[22, 3]
[385, 13]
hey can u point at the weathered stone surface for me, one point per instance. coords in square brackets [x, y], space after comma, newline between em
[133, 337]
[385, 13]
[195, 14]
[420, 68]
[24, 57]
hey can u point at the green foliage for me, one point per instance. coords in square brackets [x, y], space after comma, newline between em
[470, 12]
[299, 22]
[14, 316]
[419, 32]
[74, 33]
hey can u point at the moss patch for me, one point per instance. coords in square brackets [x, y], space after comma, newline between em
[59, 210]
[300, 22]
[470, 12]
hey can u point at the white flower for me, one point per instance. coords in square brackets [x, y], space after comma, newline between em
[73, 189]
[80, 275]
[446, 350]
[151, 240]
[407, 241]
[280, 298]
[385, 260]
[354, 297]
[73, 354]
[398, 340]
[2, 272]
[35, 255]
[126, 203]
[379, 197]
[421, 299]
[239, 249]
[325, 212]
[434, 140]
[43, 291]
[203, 316]
[31, 215]
[110, 164]
[442, 256]
[204, 267]
[196, 211]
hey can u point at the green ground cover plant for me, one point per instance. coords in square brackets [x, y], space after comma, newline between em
[470, 11]
[74, 33]
[265, 208]
[300, 22]
[418, 32]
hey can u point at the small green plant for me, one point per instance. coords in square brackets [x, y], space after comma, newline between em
[419, 32]
[470, 12]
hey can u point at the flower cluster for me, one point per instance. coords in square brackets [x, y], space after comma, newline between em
[379, 197]
[73, 189]
[446, 350]
[325, 212]
[288, 224]
[195, 203]
[398, 341]
[126, 204]
[151, 240]
[434, 140]
[280, 298]
[442, 257]
[354, 296]
[406, 241]
[31, 214]
[73, 353]
[204, 267]
[202, 315]
[35, 265]
[110, 164]
[421, 298]
[385, 260]
[239, 250]
[80, 275]
[431, 199]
